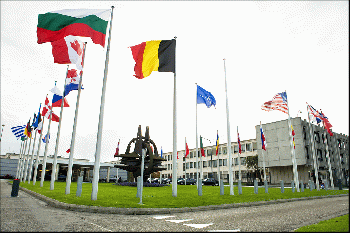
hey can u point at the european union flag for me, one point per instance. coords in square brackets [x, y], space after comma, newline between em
[205, 97]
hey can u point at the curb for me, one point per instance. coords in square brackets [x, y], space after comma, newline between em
[153, 211]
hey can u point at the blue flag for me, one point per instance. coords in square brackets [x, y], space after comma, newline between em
[205, 97]
[36, 119]
[161, 152]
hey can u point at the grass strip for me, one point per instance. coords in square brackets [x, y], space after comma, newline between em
[110, 195]
[339, 224]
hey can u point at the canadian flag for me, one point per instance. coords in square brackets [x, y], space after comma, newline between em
[68, 50]
[46, 111]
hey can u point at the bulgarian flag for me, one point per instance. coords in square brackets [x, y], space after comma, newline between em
[56, 25]
[155, 55]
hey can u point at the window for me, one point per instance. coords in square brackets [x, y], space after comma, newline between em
[317, 137]
[249, 147]
[307, 152]
[215, 163]
[243, 147]
[204, 163]
[209, 152]
[168, 166]
[194, 165]
[304, 132]
[183, 166]
[191, 154]
[220, 162]
[235, 149]
[243, 160]
[255, 146]
[224, 150]
[187, 165]
[319, 155]
[191, 164]
[224, 162]
[183, 158]
[236, 161]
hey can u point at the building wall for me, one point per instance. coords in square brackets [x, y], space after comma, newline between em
[113, 173]
[248, 149]
[278, 157]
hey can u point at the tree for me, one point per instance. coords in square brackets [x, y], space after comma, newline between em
[252, 163]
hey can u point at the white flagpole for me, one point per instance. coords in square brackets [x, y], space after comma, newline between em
[327, 156]
[197, 138]
[54, 165]
[295, 166]
[217, 133]
[228, 138]
[185, 160]
[19, 159]
[71, 154]
[239, 163]
[174, 183]
[22, 161]
[262, 152]
[95, 177]
[32, 159]
[313, 150]
[43, 167]
[37, 155]
[27, 159]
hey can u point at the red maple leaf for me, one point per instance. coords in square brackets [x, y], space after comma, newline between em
[76, 47]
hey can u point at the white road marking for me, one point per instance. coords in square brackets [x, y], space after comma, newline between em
[99, 226]
[199, 225]
[178, 221]
[236, 230]
[161, 217]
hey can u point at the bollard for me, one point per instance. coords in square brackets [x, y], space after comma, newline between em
[138, 186]
[255, 186]
[15, 188]
[302, 186]
[340, 184]
[199, 187]
[79, 186]
[266, 186]
[326, 185]
[221, 187]
[282, 186]
[310, 185]
[239, 187]
[292, 184]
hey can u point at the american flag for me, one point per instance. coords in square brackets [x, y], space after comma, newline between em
[278, 102]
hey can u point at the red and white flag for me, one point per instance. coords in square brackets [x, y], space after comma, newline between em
[68, 50]
[117, 150]
[278, 102]
[47, 109]
[187, 151]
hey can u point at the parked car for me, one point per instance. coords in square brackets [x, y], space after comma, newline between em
[189, 181]
[210, 181]
[179, 180]
[61, 177]
[166, 180]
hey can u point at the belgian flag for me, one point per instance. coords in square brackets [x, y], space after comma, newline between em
[155, 55]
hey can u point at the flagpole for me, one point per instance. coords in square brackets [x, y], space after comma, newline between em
[19, 159]
[295, 166]
[22, 162]
[32, 159]
[54, 164]
[228, 138]
[239, 162]
[43, 167]
[313, 150]
[174, 183]
[100, 123]
[197, 138]
[217, 133]
[327, 155]
[71, 154]
[262, 152]
[185, 160]
[37, 155]
[27, 158]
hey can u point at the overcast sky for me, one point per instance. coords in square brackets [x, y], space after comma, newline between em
[269, 46]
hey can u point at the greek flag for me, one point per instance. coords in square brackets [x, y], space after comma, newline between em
[18, 131]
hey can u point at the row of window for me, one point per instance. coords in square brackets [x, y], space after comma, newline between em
[210, 152]
[213, 163]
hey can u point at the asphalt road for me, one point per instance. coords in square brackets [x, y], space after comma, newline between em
[26, 213]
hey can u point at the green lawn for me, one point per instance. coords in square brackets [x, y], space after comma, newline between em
[110, 195]
[339, 224]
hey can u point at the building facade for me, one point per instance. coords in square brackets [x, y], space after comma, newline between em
[212, 163]
[278, 157]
